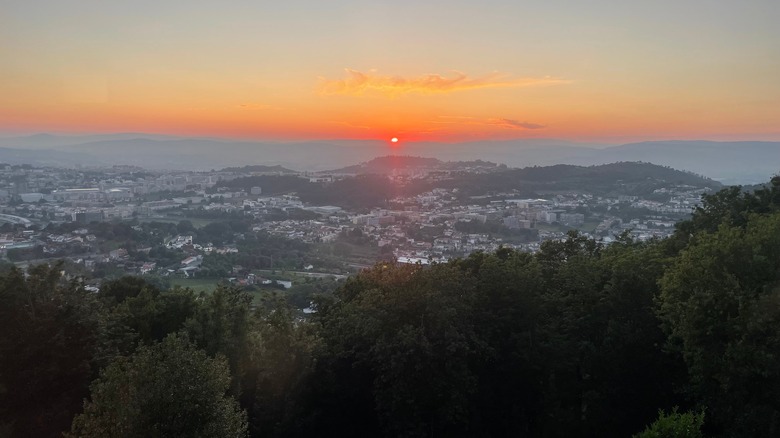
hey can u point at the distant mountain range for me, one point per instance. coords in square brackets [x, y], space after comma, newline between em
[728, 162]
[260, 169]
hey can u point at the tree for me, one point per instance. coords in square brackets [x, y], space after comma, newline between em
[601, 349]
[399, 342]
[145, 318]
[283, 361]
[221, 325]
[117, 291]
[674, 425]
[170, 389]
[719, 305]
[731, 206]
[48, 336]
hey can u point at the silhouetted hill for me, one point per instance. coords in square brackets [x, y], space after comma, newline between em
[615, 178]
[729, 162]
[394, 163]
[259, 169]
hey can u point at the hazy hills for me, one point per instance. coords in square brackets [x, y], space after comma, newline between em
[624, 178]
[729, 162]
[393, 163]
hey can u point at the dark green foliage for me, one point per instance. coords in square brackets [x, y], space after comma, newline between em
[399, 343]
[21, 254]
[675, 425]
[170, 389]
[721, 307]
[221, 326]
[606, 369]
[48, 334]
[283, 361]
[732, 206]
[139, 313]
[115, 292]
[271, 184]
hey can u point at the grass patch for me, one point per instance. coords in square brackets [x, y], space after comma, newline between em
[197, 284]
[589, 226]
[208, 285]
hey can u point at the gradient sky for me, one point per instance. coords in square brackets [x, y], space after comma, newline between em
[450, 70]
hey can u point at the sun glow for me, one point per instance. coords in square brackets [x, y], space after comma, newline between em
[394, 140]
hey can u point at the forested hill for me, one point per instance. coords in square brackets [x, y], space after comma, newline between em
[259, 169]
[394, 163]
[632, 178]
[374, 190]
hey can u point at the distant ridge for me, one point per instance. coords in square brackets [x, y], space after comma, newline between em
[391, 163]
[733, 162]
[259, 169]
[613, 178]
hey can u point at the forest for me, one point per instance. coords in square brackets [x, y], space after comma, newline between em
[666, 338]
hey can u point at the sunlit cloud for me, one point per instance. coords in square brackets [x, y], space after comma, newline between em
[515, 124]
[359, 83]
[500, 122]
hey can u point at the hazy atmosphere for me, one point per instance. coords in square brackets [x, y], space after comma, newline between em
[599, 71]
[310, 218]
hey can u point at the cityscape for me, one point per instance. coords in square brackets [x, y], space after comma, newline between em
[54, 213]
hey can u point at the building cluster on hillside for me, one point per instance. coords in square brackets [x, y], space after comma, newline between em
[433, 226]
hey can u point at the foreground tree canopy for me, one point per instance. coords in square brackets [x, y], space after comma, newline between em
[679, 337]
[170, 389]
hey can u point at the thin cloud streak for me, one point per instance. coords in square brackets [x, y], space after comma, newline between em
[253, 107]
[500, 122]
[515, 124]
[358, 83]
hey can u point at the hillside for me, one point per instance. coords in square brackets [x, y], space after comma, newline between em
[630, 178]
[259, 169]
[394, 163]
[729, 162]
[374, 189]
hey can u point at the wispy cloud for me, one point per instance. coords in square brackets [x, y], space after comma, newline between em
[515, 124]
[253, 106]
[500, 122]
[359, 83]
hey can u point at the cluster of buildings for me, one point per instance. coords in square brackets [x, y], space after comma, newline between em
[438, 225]
[433, 226]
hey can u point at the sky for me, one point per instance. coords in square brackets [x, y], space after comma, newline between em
[601, 70]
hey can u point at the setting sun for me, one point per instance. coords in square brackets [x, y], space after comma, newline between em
[394, 140]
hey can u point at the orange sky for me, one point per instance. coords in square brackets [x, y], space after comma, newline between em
[446, 71]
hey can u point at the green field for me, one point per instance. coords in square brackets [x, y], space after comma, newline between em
[197, 284]
[208, 285]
